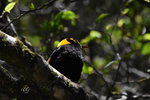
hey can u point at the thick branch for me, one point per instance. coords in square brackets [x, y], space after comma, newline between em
[16, 88]
[39, 72]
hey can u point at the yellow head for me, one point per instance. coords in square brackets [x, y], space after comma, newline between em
[68, 41]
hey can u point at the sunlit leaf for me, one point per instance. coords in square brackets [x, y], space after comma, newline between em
[68, 15]
[125, 11]
[145, 49]
[146, 36]
[120, 23]
[95, 34]
[31, 6]
[10, 0]
[92, 36]
[87, 69]
[100, 17]
[85, 40]
[10, 6]
[108, 27]
[56, 43]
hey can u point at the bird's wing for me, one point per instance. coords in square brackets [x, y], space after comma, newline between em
[54, 54]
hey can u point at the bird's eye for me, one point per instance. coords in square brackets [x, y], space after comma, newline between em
[76, 41]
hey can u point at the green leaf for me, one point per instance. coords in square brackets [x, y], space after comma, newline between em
[85, 40]
[46, 26]
[68, 15]
[60, 27]
[120, 23]
[73, 22]
[108, 28]
[125, 11]
[145, 49]
[100, 17]
[31, 6]
[87, 69]
[95, 34]
[10, 6]
[51, 23]
[56, 43]
[57, 18]
[10, 0]
[146, 36]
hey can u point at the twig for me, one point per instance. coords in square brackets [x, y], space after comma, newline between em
[2, 14]
[28, 11]
[12, 26]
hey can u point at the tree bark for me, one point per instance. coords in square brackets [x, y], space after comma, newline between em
[39, 78]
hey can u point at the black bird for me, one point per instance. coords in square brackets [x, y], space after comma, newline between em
[67, 58]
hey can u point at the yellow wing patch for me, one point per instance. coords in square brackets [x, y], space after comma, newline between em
[49, 60]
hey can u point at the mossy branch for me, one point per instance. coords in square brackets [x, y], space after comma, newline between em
[38, 72]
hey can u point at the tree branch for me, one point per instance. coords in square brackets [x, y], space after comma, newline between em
[38, 72]
[29, 11]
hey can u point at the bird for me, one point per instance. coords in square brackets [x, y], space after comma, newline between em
[68, 58]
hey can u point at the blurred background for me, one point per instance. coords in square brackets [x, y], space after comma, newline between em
[117, 33]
